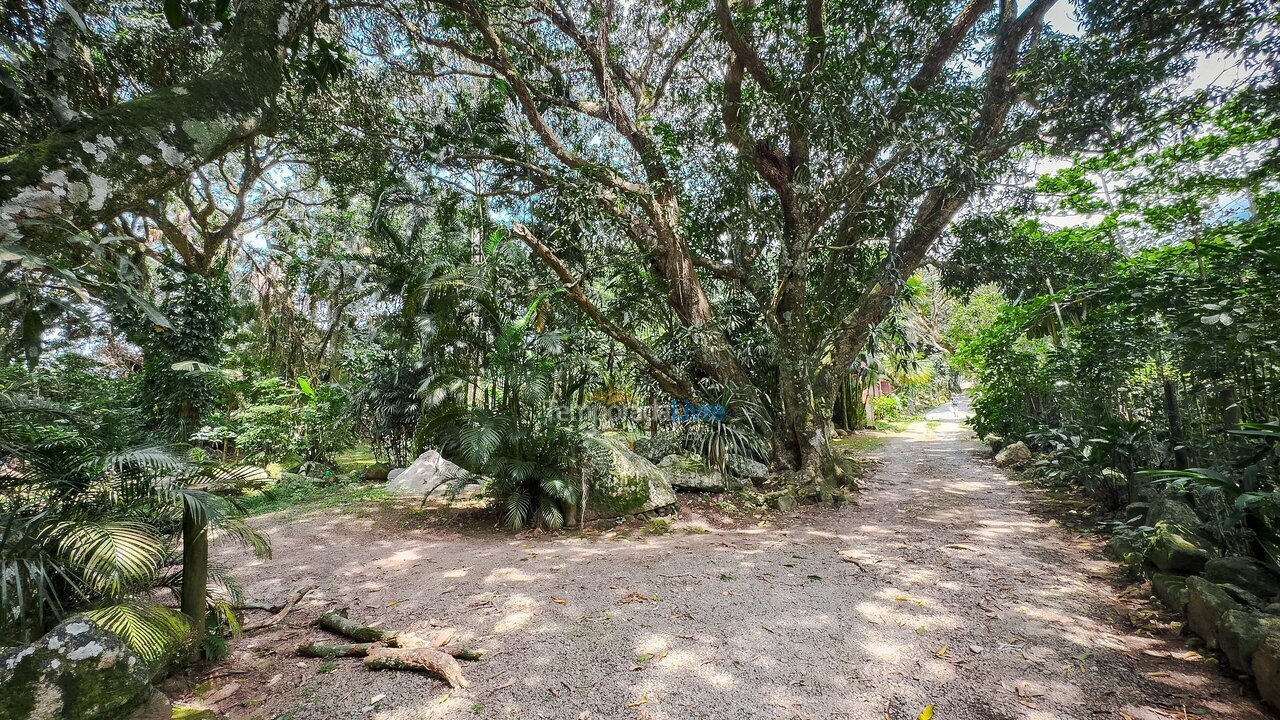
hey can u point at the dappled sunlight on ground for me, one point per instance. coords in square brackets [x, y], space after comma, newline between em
[937, 588]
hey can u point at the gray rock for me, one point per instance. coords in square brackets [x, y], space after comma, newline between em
[1241, 633]
[1206, 605]
[1266, 669]
[1014, 455]
[690, 472]
[78, 671]
[1174, 514]
[623, 483]
[782, 500]
[1137, 510]
[1172, 591]
[747, 468]
[1245, 573]
[432, 475]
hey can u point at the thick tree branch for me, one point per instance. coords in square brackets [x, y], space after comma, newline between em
[668, 378]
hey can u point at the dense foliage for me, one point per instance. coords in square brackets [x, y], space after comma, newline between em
[316, 239]
[1153, 355]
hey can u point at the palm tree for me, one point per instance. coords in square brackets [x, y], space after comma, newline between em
[84, 528]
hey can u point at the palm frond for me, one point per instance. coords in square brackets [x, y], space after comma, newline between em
[151, 630]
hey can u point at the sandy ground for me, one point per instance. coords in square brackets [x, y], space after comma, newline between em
[940, 588]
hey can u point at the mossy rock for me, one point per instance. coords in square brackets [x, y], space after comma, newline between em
[1173, 513]
[186, 712]
[376, 472]
[781, 500]
[1172, 591]
[1175, 553]
[1265, 665]
[78, 671]
[1207, 604]
[691, 472]
[1241, 632]
[623, 483]
[1247, 573]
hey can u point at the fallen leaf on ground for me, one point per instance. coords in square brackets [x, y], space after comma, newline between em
[639, 702]
[1027, 690]
[926, 713]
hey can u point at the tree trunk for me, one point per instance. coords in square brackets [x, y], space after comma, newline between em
[1174, 417]
[195, 570]
[803, 427]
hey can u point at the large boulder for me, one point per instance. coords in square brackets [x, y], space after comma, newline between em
[745, 467]
[78, 671]
[1241, 633]
[622, 482]
[1013, 455]
[1207, 604]
[1175, 553]
[690, 472]
[1172, 591]
[1266, 669]
[1173, 513]
[431, 475]
[1245, 573]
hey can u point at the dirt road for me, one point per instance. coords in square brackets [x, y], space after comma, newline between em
[939, 588]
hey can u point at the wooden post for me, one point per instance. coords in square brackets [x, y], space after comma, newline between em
[195, 570]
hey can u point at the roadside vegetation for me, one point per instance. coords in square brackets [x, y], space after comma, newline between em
[260, 256]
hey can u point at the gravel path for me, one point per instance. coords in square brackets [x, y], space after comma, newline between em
[940, 588]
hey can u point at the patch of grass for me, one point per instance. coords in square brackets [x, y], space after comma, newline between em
[356, 458]
[860, 444]
[659, 526]
[309, 495]
[932, 425]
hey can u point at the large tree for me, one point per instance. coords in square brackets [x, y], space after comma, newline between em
[804, 153]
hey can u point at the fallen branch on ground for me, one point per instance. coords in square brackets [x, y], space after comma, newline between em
[282, 611]
[427, 659]
[339, 623]
[387, 650]
[318, 650]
